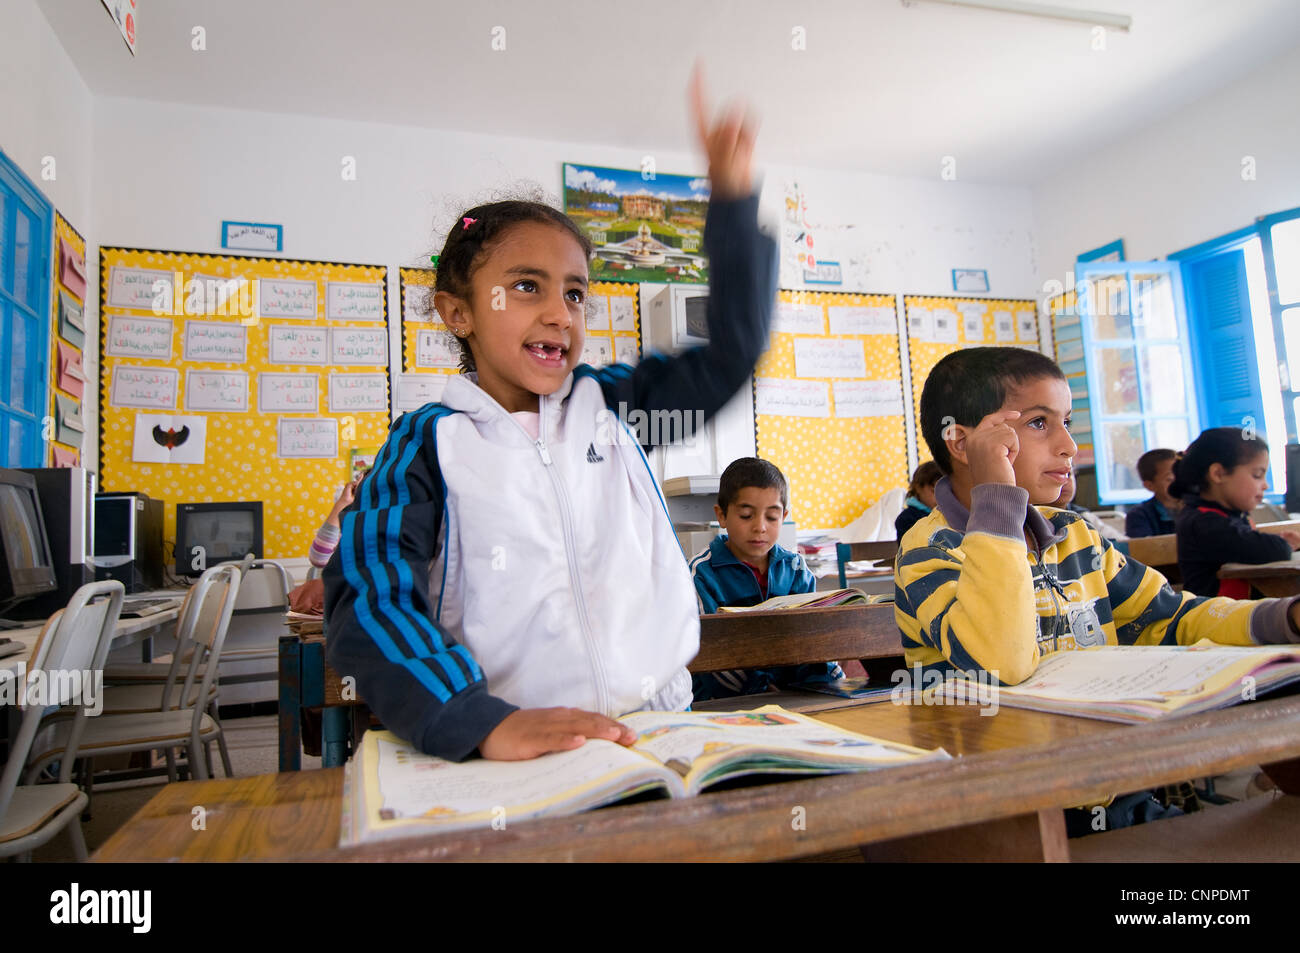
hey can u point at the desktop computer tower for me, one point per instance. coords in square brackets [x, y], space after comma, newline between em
[67, 496]
[129, 540]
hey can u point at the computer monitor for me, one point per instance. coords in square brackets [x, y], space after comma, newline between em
[67, 498]
[25, 554]
[211, 533]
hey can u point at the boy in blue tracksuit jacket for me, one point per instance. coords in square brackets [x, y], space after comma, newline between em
[745, 566]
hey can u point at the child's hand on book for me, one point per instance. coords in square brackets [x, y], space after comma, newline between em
[1291, 537]
[531, 732]
[729, 144]
[991, 448]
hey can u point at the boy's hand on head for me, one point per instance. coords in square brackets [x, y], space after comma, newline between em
[530, 732]
[991, 448]
[729, 143]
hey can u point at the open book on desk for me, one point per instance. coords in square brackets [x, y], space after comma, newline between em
[393, 791]
[810, 600]
[1136, 683]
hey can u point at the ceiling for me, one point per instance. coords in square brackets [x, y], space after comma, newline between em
[881, 85]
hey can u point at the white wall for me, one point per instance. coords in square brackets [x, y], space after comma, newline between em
[1178, 182]
[167, 175]
[45, 129]
[45, 110]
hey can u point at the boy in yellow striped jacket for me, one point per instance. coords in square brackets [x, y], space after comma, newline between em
[994, 577]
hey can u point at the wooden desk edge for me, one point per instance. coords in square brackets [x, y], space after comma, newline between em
[755, 823]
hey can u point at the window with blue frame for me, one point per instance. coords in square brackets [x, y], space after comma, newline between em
[1236, 321]
[1139, 369]
[26, 234]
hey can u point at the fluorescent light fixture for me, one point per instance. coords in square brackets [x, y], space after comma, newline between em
[1113, 21]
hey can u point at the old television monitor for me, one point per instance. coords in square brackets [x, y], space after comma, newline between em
[25, 555]
[678, 318]
[211, 533]
[67, 497]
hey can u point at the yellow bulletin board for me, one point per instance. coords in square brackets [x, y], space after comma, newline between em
[1067, 339]
[297, 317]
[829, 403]
[613, 332]
[938, 326]
[68, 389]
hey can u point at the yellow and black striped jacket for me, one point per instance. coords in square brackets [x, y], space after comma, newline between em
[972, 592]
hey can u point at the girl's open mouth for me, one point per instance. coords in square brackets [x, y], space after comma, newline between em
[548, 355]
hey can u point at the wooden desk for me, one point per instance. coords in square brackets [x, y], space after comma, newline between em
[1017, 770]
[126, 632]
[727, 640]
[1279, 579]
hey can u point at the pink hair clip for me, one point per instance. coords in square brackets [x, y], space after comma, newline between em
[469, 221]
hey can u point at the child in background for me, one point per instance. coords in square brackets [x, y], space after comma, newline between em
[920, 497]
[327, 537]
[746, 565]
[996, 577]
[1155, 517]
[510, 552]
[1222, 477]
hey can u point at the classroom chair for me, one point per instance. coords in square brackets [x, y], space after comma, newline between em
[138, 694]
[187, 727]
[850, 552]
[75, 639]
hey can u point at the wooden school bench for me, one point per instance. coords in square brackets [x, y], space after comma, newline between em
[727, 640]
[1002, 799]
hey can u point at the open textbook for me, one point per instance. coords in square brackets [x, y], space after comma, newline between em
[392, 790]
[806, 600]
[1135, 683]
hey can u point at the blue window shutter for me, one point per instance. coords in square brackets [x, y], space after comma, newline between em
[1223, 343]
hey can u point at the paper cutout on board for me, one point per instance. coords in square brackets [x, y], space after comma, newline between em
[829, 357]
[292, 393]
[135, 287]
[868, 398]
[220, 391]
[69, 428]
[1027, 326]
[626, 350]
[791, 398]
[1004, 327]
[944, 325]
[859, 319]
[920, 324]
[357, 392]
[299, 437]
[169, 438]
[416, 390]
[622, 313]
[71, 324]
[436, 349]
[358, 346]
[216, 342]
[798, 319]
[69, 377]
[973, 325]
[354, 301]
[597, 351]
[598, 313]
[72, 269]
[286, 298]
[290, 344]
[147, 388]
[63, 459]
[132, 336]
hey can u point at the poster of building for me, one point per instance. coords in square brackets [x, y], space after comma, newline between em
[645, 226]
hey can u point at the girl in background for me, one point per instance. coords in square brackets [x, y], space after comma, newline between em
[1220, 479]
[920, 497]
